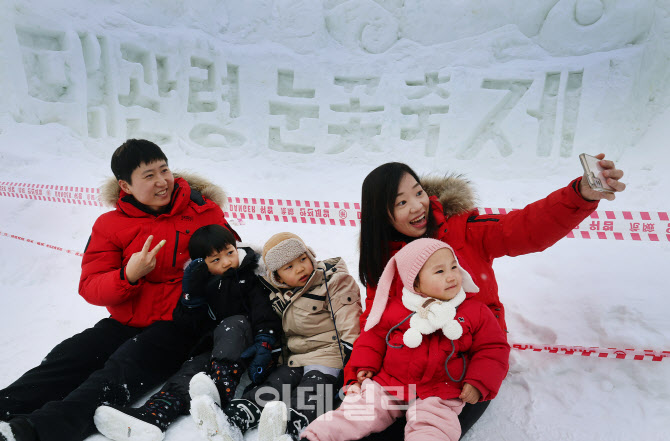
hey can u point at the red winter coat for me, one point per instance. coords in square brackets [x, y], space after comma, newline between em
[120, 233]
[483, 344]
[477, 239]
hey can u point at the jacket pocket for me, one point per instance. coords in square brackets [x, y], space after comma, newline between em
[395, 340]
[308, 315]
[323, 343]
[345, 300]
[309, 304]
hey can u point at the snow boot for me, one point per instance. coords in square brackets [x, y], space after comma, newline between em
[273, 421]
[279, 423]
[211, 422]
[243, 413]
[146, 423]
[297, 422]
[202, 384]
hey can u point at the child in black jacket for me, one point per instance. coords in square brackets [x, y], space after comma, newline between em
[227, 308]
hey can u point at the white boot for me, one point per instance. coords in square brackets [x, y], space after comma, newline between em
[125, 426]
[273, 421]
[6, 431]
[212, 422]
[202, 384]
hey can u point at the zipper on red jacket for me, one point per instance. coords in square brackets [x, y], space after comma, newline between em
[176, 246]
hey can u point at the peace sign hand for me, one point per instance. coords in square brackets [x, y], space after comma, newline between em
[143, 262]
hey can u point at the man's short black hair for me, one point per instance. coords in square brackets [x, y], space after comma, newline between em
[131, 154]
[208, 240]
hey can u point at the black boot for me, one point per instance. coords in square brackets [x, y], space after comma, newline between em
[226, 376]
[243, 413]
[228, 424]
[147, 423]
[296, 423]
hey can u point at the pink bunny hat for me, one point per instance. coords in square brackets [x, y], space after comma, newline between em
[408, 262]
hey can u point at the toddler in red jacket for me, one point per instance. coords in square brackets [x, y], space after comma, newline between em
[425, 352]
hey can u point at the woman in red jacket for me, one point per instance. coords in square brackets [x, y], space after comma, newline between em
[429, 351]
[398, 207]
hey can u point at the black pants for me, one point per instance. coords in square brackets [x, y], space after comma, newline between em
[468, 417]
[231, 337]
[108, 363]
[311, 394]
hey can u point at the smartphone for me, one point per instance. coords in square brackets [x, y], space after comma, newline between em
[594, 173]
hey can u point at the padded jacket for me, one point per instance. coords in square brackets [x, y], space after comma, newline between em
[310, 334]
[119, 233]
[238, 291]
[483, 345]
[478, 239]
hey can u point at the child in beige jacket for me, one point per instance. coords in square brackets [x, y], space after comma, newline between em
[319, 302]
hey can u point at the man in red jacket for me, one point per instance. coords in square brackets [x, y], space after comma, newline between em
[132, 265]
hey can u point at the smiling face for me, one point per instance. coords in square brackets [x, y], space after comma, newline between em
[221, 261]
[440, 277]
[152, 185]
[410, 211]
[296, 273]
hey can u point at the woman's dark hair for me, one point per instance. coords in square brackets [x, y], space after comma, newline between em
[378, 195]
[208, 240]
[131, 154]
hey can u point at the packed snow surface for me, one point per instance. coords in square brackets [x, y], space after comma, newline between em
[300, 99]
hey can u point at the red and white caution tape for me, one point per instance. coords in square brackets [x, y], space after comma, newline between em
[52, 193]
[615, 225]
[652, 226]
[42, 244]
[621, 354]
[299, 212]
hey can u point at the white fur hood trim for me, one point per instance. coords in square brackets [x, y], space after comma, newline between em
[260, 270]
[110, 190]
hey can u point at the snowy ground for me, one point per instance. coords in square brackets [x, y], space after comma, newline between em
[300, 100]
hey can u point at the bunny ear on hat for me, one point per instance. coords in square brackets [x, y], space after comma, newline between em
[468, 284]
[382, 294]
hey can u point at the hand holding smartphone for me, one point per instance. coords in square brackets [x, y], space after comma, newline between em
[594, 173]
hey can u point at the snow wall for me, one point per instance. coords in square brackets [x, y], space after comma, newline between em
[461, 80]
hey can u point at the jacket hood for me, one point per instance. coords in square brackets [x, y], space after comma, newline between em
[252, 253]
[110, 190]
[248, 261]
[454, 192]
[248, 255]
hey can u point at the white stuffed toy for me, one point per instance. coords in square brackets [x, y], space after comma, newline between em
[431, 315]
